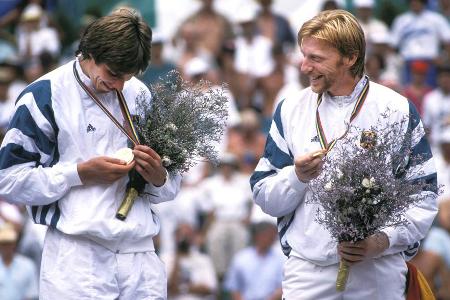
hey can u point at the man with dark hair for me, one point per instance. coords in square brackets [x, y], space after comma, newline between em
[59, 158]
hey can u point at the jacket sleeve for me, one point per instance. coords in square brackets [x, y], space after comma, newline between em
[276, 188]
[168, 191]
[29, 170]
[406, 238]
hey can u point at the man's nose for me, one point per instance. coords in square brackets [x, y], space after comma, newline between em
[305, 66]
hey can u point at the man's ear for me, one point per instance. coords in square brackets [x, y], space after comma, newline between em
[349, 61]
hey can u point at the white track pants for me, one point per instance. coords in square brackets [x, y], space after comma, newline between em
[378, 279]
[78, 268]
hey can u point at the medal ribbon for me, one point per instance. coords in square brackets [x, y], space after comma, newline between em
[130, 131]
[358, 105]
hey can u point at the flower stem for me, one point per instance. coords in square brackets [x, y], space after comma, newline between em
[127, 203]
[342, 276]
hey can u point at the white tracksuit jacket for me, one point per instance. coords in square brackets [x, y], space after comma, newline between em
[57, 125]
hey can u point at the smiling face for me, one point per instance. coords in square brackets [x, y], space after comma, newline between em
[102, 77]
[327, 69]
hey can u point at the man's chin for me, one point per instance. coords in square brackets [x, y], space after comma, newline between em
[317, 89]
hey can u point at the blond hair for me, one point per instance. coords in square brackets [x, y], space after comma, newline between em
[341, 29]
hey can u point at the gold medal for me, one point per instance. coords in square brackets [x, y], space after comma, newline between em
[125, 154]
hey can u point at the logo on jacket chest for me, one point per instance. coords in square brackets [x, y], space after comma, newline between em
[315, 139]
[90, 128]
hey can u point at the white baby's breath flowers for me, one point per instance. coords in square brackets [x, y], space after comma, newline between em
[359, 191]
[171, 127]
[182, 122]
[166, 161]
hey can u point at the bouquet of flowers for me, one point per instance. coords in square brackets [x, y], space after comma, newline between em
[368, 182]
[182, 123]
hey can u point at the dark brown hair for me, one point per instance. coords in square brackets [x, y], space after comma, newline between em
[121, 40]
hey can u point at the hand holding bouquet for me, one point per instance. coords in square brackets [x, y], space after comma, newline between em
[182, 123]
[369, 181]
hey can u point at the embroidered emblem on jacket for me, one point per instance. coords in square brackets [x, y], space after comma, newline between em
[90, 128]
[315, 139]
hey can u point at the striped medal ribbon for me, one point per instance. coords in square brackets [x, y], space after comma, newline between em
[129, 129]
[358, 105]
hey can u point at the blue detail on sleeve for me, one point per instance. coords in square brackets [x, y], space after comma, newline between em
[23, 121]
[414, 116]
[277, 118]
[275, 155]
[257, 176]
[42, 94]
[421, 151]
[430, 181]
[13, 154]
[56, 215]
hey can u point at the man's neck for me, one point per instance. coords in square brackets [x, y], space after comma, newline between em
[84, 66]
[7, 260]
[346, 87]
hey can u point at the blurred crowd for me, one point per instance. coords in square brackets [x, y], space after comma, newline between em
[215, 242]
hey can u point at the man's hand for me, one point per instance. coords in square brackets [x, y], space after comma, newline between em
[368, 248]
[309, 166]
[103, 170]
[148, 164]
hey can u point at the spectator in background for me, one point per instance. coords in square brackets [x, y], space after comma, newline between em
[210, 27]
[18, 276]
[434, 258]
[188, 47]
[275, 27]
[256, 272]
[6, 103]
[376, 70]
[33, 38]
[198, 69]
[253, 58]
[246, 140]
[191, 274]
[159, 66]
[418, 87]
[226, 199]
[370, 25]
[329, 5]
[444, 9]
[418, 34]
[443, 161]
[436, 107]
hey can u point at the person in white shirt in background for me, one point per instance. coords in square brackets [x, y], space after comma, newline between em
[436, 108]
[371, 26]
[420, 34]
[33, 38]
[226, 200]
[18, 276]
[253, 55]
[190, 273]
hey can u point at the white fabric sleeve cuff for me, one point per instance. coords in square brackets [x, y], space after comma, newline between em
[70, 172]
[156, 188]
[294, 182]
[392, 234]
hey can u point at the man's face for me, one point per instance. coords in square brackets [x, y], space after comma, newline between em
[324, 65]
[104, 79]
